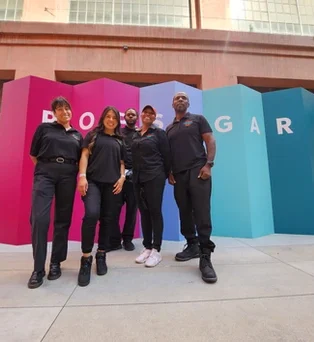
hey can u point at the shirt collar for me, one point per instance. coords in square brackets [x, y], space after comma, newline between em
[56, 124]
[186, 116]
[130, 129]
[109, 135]
[152, 127]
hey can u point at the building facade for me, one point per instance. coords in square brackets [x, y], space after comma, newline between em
[265, 44]
[266, 16]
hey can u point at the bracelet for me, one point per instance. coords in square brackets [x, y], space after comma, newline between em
[122, 176]
[82, 175]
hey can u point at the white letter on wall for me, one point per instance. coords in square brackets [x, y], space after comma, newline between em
[227, 125]
[158, 122]
[48, 116]
[122, 115]
[283, 124]
[91, 121]
[254, 126]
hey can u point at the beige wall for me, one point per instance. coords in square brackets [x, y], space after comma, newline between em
[215, 14]
[57, 10]
[82, 52]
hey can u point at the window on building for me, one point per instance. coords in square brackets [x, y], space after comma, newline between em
[1, 90]
[276, 16]
[175, 13]
[136, 84]
[11, 9]
[283, 11]
[306, 10]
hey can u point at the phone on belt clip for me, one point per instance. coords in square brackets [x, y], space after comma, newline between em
[128, 174]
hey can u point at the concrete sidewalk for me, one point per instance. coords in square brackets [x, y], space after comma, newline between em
[265, 292]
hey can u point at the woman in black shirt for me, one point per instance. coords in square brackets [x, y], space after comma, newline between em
[151, 167]
[55, 151]
[102, 176]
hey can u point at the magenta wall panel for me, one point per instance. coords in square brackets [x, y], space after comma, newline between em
[26, 104]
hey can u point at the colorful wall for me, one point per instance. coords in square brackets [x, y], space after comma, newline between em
[263, 175]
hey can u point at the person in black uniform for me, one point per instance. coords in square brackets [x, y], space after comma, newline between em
[151, 166]
[101, 179]
[191, 177]
[128, 194]
[55, 151]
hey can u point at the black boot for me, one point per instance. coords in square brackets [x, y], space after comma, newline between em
[113, 248]
[84, 274]
[36, 279]
[190, 251]
[101, 265]
[128, 245]
[206, 267]
[54, 271]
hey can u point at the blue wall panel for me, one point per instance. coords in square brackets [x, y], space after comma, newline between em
[160, 96]
[289, 122]
[241, 201]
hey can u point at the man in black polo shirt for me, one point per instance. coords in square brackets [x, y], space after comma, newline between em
[191, 177]
[128, 194]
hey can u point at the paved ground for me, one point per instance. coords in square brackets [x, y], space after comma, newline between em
[265, 292]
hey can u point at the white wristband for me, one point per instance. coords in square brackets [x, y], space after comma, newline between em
[123, 176]
[82, 175]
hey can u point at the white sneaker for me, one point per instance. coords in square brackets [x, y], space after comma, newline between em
[143, 256]
[154, 259]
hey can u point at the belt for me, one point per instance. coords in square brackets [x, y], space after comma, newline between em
[59, 160]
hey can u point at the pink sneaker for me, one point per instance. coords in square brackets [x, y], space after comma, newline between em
[143, 256]
[154, 259]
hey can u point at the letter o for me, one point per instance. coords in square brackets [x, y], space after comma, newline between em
[91, 121]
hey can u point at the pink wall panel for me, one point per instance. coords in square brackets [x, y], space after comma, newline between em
[12, 135]
[89, 100]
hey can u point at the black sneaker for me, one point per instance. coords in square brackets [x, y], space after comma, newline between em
[54, 271]
[36, 279]
[128, 246]
[101, 265]
[113, 248]
[84, 273]
[206, 267]
[190, 251]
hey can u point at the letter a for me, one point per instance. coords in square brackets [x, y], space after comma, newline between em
[254, 126]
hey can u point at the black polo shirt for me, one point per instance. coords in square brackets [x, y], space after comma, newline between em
[151, 154]
[186, 143]
[105, 161]
[127, 135]
[52, 140]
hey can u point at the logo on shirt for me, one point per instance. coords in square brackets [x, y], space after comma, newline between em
[149, 135]
[76, 137]
[188, 123]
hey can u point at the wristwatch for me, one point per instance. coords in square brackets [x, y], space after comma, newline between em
[210, 163]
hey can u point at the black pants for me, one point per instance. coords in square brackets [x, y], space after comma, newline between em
[192, 195]
[59, 181]
[149, 197]
[128, 197]
[100, 204]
